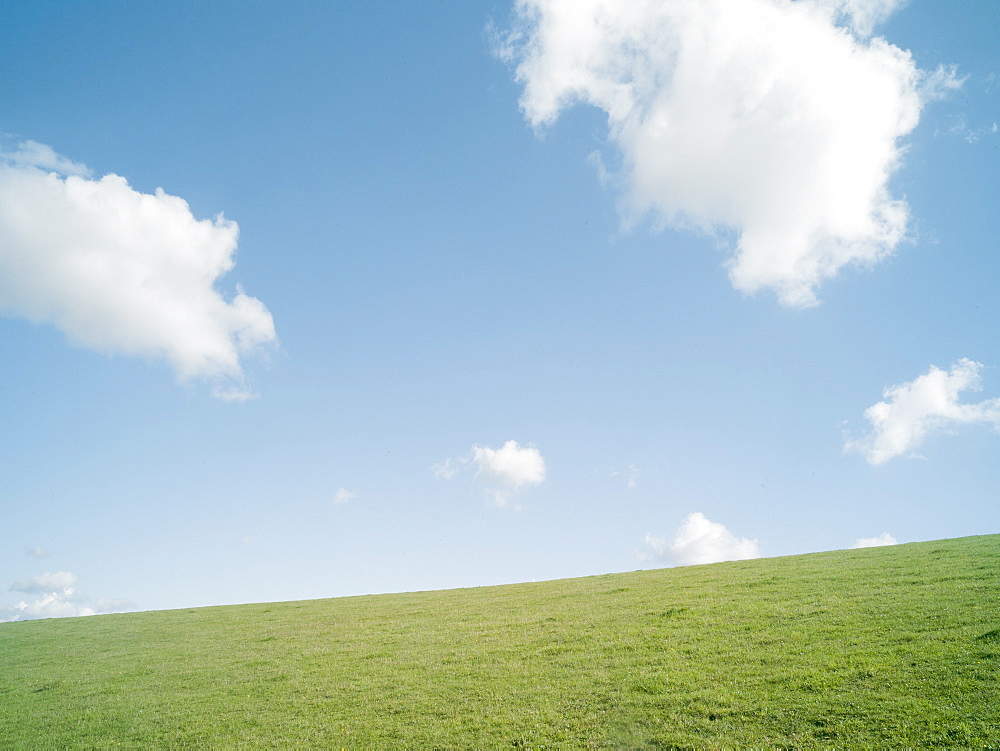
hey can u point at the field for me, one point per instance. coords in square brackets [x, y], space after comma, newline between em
[894, 646]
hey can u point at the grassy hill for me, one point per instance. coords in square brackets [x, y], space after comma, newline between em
[893, 646]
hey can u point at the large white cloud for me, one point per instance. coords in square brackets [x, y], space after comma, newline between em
[502, 472]
[924, 405]
[57, 598]
[46, 582]
[699, 540]
[122, 271]
[762, 117]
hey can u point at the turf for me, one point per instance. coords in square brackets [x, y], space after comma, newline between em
[881, 647]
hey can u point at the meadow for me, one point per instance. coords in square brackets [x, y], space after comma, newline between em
[879, 647]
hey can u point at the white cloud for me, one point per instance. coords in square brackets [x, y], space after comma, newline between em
[49, 605]
[699, 540]
[47, 582]
[511, 466]
[939, 83]
[762, 117]
[501, 471]
[875, 542]
[121, 271]
[343, 496]
[57, 599]
[926, 404]
[36, 551]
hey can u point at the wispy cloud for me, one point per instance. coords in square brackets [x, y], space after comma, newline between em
[502, 472]
[973, 135]
[121, 271]
[447, 469]
[875, 542]
[927, 404]
[34, 154]
[342, 496]
[630, 473]
[698, 540]
[36, 551]
[779, 121]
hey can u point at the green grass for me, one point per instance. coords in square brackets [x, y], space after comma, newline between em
[880, 647]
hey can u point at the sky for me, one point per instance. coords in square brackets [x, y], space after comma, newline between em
[311, 299]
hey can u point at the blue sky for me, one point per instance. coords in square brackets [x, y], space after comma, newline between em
[517, 292]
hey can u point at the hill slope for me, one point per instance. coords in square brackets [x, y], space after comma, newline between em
[895, 646]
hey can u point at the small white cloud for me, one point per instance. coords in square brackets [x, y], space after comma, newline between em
[507, 470]
[875, 542]
[343, 496]
[57, 599]
[121, 271]
[36, 551]
[927, 404]
[766, 118]
[502, 472]
[511, 466]
[697, 541]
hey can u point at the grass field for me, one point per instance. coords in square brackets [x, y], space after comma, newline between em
[893, 646]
